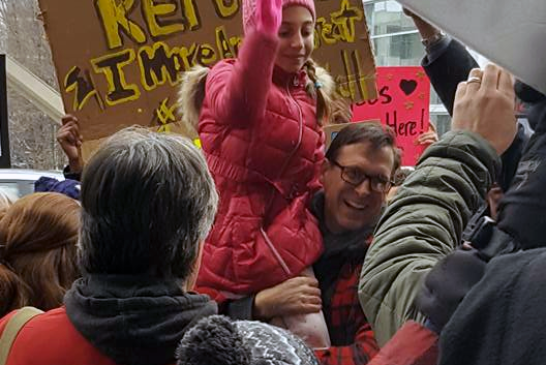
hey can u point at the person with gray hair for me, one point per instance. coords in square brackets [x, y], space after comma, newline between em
[148, 202]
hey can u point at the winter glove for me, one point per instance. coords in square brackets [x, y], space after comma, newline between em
[447, 284]
[269, 16]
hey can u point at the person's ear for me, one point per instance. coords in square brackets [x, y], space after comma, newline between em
[189, 285]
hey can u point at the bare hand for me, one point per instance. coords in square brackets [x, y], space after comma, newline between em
[269, 15]
[427, 138]
[299, 295]
[487, 107]
[70, 140]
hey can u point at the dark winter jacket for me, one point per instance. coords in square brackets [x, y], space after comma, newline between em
[502, 320]
[111, 320]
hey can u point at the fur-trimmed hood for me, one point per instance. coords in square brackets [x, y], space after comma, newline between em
[191, 93]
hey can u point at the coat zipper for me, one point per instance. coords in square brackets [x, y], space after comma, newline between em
[298, 144]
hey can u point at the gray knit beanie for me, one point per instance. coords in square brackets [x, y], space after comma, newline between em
[217, 340]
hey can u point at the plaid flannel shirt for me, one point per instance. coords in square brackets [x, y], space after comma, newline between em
[353, 341]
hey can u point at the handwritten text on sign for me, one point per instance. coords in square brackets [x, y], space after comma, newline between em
[119, 61]
[402, 104]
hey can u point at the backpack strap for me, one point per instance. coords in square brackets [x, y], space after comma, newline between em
[14, 325]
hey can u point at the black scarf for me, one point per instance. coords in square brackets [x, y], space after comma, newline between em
[134, 320]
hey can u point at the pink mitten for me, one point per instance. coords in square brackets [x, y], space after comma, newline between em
[269, 15]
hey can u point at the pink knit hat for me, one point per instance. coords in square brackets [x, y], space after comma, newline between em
[249, 9]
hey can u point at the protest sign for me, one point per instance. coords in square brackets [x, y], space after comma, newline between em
[403, 104]
[343, 47]
[510, 33]
[332, 130]
[119, 62]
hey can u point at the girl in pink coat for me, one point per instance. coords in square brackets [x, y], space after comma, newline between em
[260, 129]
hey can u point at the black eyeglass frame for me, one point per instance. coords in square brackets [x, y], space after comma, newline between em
[375, 181]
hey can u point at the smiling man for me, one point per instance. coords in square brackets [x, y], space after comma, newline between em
[356, 175]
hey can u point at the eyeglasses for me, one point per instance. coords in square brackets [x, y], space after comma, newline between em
[354, 176]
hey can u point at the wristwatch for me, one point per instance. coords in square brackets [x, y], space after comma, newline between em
[433, 39]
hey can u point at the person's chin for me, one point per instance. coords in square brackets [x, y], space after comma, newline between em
[350, 224]
[292, 67]
[355, 218]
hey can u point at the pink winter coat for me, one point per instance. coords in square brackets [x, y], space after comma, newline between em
[264, 148]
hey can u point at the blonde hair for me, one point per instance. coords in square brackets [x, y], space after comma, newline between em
[7, 198]
[319, 91]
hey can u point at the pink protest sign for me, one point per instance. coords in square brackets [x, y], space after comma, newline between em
[403, 104]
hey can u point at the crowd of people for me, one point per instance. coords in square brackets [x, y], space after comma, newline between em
[264, 247]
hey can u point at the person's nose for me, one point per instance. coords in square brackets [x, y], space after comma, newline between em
[364, 188]
[297, 41]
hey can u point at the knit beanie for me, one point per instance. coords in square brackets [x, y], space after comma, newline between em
[249, 9]
[217, 340]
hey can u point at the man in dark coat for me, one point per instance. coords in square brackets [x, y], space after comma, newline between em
[148, 202]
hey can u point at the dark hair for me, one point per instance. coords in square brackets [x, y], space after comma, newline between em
[38, 238]
[378, 135]
[148, 201]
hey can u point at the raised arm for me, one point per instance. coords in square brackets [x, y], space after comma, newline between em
[238, 91]
[425, 221]
[447, 62]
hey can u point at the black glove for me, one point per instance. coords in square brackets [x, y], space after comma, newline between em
[447, 284]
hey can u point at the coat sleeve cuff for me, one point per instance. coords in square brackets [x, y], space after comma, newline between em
[436, 50]
[240, 309]
[71, 175]
[456, 144]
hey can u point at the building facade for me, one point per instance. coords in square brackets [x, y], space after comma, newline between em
[397, 42]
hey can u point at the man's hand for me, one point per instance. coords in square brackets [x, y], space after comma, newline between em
[487, 107]
[269, 15]
[425, 29]
[428, 138]
[70, 140]
[299, 295]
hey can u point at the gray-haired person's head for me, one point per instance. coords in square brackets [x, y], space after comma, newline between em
[148, 201]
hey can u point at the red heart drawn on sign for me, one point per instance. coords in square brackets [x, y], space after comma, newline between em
[408, 86]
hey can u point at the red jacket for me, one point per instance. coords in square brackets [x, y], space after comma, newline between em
[413, 344]
[264, 148]
[50, 338]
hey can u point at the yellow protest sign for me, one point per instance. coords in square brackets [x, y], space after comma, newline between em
[119, 62]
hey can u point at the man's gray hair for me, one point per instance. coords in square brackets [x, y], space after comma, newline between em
[148, 201]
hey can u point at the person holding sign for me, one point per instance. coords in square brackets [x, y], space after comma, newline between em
[260, 128]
